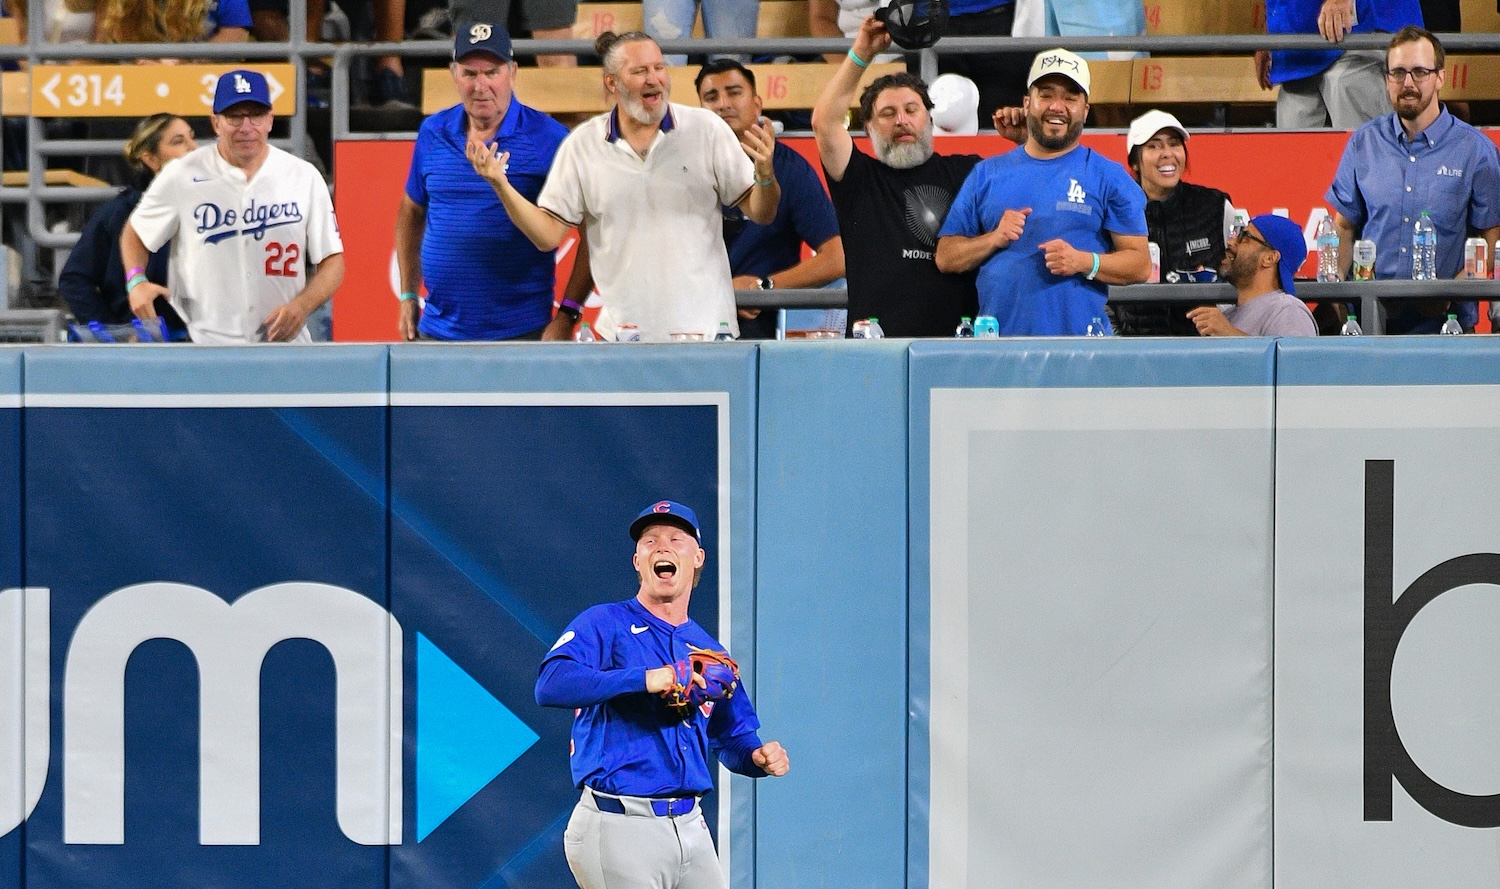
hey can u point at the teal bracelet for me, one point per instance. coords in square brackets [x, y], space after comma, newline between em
[857, 60]
[1095, 270]
[130, 285]
[406, 295]
[766, 183]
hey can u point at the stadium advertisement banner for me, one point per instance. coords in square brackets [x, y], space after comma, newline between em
[370, 178]
[1387, 615]
[1097, 666]
[277, 632]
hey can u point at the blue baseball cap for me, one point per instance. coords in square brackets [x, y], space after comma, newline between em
[668, 512]
[241, 85]
[1285, 236]
[475, 37]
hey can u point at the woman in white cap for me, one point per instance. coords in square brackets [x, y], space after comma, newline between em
[1187, 222]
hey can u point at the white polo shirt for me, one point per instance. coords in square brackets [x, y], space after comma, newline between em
[240, 249]
[654, 225]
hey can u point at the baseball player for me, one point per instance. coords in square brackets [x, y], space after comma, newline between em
[246, 221]
[641, 762]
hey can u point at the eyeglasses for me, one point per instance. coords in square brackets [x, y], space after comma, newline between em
[1242, 232]
[239, 117]
[1419, 75]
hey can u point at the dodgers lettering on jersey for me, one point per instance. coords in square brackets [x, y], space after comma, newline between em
[625, 740]
[218, 223]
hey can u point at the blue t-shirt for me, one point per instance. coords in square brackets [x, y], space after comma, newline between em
[485, 279]
[627, 741]
[805, 215]
[1301, 17]
[1080, 197]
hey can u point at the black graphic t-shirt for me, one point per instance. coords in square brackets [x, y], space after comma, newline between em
[889, 220]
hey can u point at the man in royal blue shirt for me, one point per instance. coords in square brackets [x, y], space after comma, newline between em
[1319, 87]
[1419, 157]
[485, 280]
[767, 257]
[1049, 223]
[643, 765]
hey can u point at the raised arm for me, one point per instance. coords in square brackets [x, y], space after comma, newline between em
[835, 145]
[545, 231]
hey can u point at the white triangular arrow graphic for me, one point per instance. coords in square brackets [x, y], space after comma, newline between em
[47, 90]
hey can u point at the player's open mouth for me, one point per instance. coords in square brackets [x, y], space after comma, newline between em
[664, 569]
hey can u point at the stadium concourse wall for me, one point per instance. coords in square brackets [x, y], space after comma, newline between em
[1026, 613]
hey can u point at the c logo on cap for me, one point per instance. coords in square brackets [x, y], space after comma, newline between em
[480, 32]
[663, 506]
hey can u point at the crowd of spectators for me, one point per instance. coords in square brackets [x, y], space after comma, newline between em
[1032, 236]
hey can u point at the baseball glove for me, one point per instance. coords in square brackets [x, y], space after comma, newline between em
[704, 675]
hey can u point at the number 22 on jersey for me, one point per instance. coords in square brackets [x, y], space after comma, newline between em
[281, 259]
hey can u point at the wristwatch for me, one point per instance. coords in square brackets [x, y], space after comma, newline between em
[765, 284]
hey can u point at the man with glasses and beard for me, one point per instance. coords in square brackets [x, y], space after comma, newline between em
[891, 206]
[645, 182]
[1049, 223]
[1260, 260]
[1417, 158]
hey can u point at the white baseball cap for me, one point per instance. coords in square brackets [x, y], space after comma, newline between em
[1060, 61]
[1148, 125]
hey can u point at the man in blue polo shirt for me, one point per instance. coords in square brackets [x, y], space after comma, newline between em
[641, 763]
[1419, 157]
[767, 257]
[485, 280]
[1323, 87]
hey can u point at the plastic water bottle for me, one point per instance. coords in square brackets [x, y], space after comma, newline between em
[585, 334]
[965, 328]
[1351, 328]
[1451, 327]
[1424, 250]
[724, 335]
[1096, 328]
[1328, 250]
[875, 331]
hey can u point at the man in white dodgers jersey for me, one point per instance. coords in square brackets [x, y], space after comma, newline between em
[246, 221]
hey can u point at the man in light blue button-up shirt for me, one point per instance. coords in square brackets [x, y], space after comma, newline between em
[1417, 158]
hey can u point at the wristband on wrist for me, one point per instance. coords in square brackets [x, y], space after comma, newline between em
[1095, 270]
[134, 280]
[133, 272]
[406, 295]
[767, 182]
[857, 60]
[570, 308]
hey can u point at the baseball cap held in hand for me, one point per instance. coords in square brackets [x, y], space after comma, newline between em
[914, 24]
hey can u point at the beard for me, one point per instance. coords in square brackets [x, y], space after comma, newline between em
[903, 155]
[1409, 111]
[1038, 133]
[633, 106]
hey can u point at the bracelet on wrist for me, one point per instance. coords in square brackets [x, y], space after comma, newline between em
[570, 308]
[766, 182]
[1095, 270]
[133, 272]
[134, 280]
[407, 295]
[857, 60]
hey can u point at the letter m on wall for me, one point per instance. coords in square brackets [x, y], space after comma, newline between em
[230, 643]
